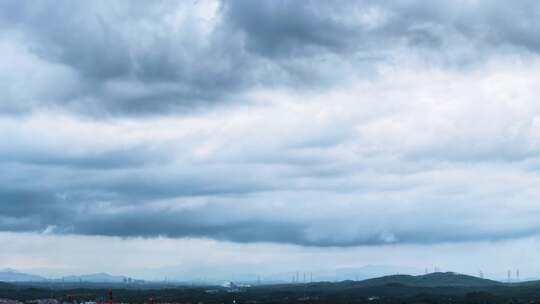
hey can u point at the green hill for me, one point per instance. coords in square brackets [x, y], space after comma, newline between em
[437, 279]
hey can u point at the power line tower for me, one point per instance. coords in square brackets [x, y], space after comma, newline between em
[509, 276]
[517, 275]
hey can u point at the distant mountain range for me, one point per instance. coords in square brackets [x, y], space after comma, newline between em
[10, 275]
[242, 273]
[437, 279]
[95, 278]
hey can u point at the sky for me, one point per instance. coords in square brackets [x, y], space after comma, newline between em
[193, 138]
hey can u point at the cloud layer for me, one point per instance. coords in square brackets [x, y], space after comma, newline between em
[139, 58]
[335, 123]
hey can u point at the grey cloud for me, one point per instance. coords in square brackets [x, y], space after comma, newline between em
[229, 206]
[288, 28]
[269, 43]
[159, 68]
[263, 188]
[233, 222]
[306, 183]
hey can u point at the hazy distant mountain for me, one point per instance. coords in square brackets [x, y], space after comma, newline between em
[373, 271]
[230, 273]
[10, 275]
[322, 275]
[95, 278]
[356, 273]
[431, 280]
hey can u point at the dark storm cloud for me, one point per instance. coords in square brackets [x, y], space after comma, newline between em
[230, 205]
[158, 69]
[127, 59]
[233, 222]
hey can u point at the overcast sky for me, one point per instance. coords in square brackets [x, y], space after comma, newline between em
[138, 137]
